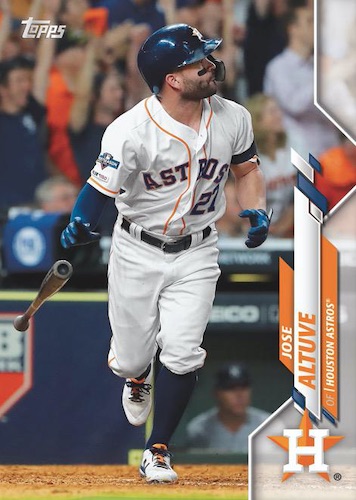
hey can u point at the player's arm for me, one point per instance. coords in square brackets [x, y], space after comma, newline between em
[251, 195]
[85, 216]
[250, 184]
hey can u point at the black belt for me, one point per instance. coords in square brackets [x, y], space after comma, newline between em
[178, 246]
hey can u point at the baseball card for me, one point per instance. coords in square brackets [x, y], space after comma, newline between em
[206, 349]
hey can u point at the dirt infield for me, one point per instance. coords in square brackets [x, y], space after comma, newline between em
[122, 481]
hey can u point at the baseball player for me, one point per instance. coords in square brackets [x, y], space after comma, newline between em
[165, 162]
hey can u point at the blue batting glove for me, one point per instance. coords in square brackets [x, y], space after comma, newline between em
[78, 233]
[260, 222]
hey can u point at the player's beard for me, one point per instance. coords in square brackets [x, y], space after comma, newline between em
[195, 90]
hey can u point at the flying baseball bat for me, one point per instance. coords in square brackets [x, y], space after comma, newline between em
[54, 280]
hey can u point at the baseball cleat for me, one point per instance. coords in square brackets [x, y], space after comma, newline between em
[156, 465]
[137, 399]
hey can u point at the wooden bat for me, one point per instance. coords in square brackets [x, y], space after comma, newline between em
[54, 280]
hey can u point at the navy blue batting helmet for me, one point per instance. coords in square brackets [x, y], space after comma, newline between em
[170, 48]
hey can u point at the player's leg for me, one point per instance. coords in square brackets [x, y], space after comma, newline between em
[134, 282]
[185, 306]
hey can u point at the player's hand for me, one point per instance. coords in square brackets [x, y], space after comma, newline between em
[260, 222]
[78, 233]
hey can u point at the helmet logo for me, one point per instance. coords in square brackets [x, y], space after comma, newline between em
[197, 33]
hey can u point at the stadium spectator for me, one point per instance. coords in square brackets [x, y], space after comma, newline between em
[5, 29]
[56, 194]
[82, 23]
[138, 11]
[22, 119]
[135, 85]
[289, 78]
[188, 12]
[225, 427]
[338, 78]
[214, 15]
[11, 47]
[63, 79]
[274, 153]
[265, 38]
[114, 46]
[98, 100]
[342, 224]
[80, 19]
[338, 172]
[20, 8]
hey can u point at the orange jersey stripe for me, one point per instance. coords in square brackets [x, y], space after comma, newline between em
[105, 189]
[184, 226]
[189, 165]
[210, 116]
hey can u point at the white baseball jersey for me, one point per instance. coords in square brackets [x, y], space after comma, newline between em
[166, 177]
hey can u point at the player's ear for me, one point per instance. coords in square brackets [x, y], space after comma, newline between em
[173, 80]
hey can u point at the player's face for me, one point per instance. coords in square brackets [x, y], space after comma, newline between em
[235, 401]
[195, 87]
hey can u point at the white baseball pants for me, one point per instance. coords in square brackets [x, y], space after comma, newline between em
[159, 299]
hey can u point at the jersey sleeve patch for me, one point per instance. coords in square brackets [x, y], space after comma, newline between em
[107, 160]
[100, 176]
[245, 156]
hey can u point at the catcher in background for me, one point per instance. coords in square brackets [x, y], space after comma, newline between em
[165, 162]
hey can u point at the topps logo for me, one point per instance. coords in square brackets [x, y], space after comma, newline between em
[35, 28]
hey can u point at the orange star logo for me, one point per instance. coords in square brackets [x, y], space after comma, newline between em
[306, 440]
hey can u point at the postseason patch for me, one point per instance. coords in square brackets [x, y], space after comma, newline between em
[107, 160]
[100, 176]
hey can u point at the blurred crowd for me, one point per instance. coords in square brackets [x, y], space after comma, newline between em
[337, 68]
[57, 95]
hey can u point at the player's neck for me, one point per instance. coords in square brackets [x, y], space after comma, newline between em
[186, 112]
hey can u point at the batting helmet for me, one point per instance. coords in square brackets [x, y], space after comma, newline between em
[170, 48]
